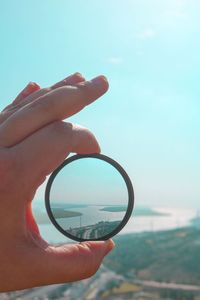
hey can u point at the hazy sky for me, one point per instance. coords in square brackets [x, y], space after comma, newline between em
[149, 50]
[89, 181]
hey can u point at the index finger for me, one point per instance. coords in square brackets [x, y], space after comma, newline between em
[56, 105]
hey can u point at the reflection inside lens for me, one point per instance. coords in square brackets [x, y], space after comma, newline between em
[89, 198]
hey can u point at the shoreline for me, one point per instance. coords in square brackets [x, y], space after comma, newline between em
[137, 224]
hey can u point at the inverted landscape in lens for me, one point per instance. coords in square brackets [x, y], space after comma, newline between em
[88, 198]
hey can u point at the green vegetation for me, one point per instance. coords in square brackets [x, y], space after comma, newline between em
[137, 266]
[42, 218]
[170, 256]
[137, 212]
[114, 208]
[196, 222]
[60, 213]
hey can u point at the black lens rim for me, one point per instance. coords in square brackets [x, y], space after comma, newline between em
[123, 173]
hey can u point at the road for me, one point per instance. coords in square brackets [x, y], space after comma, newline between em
[173, 286]
[87, 234]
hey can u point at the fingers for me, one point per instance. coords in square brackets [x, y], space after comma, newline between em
[31, 88]
[30, 221]
[56, 105]
[77, 261]
[28, 90]
[42, 152]
[37, 265]
[32, 91]
[70, 80]
[68, 263]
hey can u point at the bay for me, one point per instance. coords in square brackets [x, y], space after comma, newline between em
[167, 218]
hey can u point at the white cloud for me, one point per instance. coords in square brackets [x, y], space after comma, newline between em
[115, 60]
[148, 33]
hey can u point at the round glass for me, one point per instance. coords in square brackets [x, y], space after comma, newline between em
[89, 197]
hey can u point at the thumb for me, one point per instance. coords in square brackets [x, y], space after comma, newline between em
[72, 262]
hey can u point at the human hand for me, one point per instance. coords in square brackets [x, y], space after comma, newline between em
[33, 142]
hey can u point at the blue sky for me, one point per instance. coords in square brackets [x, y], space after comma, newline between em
[149, 50]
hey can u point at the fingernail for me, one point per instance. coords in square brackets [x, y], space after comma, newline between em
[77, 74]
[99, 80]
[32, 83]
[30, 86]
[26, 89]
[27, 86]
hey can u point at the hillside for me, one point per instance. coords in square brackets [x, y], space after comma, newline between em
[171, 256]
[135, 270]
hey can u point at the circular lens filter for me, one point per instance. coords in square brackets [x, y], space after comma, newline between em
[89, 197]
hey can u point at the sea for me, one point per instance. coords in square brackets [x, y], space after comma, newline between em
[166, 219]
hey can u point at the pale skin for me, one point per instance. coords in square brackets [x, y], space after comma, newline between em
[33, 142]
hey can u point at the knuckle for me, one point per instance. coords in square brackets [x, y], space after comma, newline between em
[82, 130]
[84, 140]
[78, 76]
[85, 92]
[61, 127]
[89, 134]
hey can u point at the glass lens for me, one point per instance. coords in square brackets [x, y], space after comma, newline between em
[88, 198]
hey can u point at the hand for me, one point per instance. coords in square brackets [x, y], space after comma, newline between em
[33, 142]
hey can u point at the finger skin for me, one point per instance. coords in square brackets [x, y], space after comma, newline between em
[26, 260]
[87, 255]
[28, 90]
[32, 266]
[32, 91]
[56, 105]
[30, 221]
[53, 142]
[31, 88]
[70, 80]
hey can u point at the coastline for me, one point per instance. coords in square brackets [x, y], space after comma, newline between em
[163, 219]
